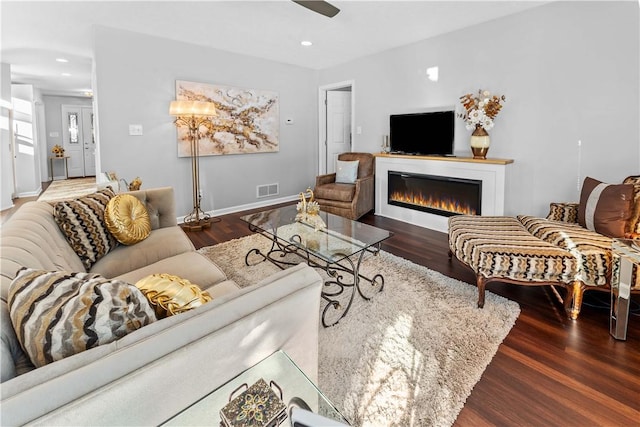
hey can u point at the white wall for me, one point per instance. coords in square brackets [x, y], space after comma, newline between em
[53, 120]
[6, 161]
[136, 77]
[569, 71]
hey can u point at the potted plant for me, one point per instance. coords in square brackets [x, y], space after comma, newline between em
[58, 150]
[480, 111]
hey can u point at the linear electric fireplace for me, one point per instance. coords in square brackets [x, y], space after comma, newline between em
[440, 195]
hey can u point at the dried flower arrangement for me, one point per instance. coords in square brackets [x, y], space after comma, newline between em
[57, 150]
[135, 184]
[480, 109]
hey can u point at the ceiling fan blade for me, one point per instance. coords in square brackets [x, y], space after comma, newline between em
[319, 6]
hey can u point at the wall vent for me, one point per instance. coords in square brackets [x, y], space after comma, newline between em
[267, 190]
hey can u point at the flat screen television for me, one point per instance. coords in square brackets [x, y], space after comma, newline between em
[426, 133]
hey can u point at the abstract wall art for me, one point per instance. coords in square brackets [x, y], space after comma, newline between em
[247, 121]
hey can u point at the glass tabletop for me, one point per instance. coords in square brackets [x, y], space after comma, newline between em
[297, 390]
[341, 238]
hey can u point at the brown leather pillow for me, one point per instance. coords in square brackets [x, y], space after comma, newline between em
[605, 208]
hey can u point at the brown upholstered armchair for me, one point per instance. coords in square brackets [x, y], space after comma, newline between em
[348, 200]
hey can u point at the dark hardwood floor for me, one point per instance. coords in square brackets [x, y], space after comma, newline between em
[549, 370]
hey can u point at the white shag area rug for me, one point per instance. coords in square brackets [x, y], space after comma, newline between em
[68, 189]
[408, 357]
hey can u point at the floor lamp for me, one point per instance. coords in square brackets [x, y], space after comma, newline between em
[194, 114]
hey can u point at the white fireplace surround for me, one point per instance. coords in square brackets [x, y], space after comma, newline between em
[492, 173]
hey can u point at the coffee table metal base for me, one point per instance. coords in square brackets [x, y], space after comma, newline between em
[344, 275]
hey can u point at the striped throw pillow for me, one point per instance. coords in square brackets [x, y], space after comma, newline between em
[634, 223]
[57, 314]
[82, 222]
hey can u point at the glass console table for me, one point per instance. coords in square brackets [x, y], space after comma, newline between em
[297, 391]
[626, 255]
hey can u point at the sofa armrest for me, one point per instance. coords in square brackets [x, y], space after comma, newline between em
[565, 212]
[325, 179]
[161, 205]
[194, 352]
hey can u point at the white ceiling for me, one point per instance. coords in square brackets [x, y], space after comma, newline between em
[34, 34]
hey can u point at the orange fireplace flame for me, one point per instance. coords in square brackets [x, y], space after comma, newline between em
[443, 204]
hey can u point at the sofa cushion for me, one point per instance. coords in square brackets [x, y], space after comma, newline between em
[192, 266]
[605, 208]
[13, 360]
[82, 222]
[161, 243]
[170, 295]
[127, 219]
[340, 192]
[346, 171]
[56, 314]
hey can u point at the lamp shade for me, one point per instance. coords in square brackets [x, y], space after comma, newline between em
[192, 108]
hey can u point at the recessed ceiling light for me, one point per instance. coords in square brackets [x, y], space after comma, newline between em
[62, 60]
[66, 74]
[306, 43]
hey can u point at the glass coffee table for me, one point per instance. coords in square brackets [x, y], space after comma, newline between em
[293, 389]
[626, 256]
[337, 249]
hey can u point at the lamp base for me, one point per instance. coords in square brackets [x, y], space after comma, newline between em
[197, 225]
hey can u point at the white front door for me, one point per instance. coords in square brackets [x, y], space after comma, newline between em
[338, 126]
[89, 142]
[78, 141]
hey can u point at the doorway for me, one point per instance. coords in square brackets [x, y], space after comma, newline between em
[336, 123]
[79, 140]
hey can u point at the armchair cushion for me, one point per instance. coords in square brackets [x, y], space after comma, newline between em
[335, 191]
[346, 171]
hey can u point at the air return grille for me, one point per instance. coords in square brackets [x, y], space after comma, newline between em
[267, 190]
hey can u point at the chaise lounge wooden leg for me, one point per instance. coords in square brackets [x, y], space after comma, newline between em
[573, 300]
[481, 282]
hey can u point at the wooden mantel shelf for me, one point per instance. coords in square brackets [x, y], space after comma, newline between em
[447, 159]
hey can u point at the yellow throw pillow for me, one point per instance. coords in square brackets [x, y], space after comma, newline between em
[127, 219]
[169, 294]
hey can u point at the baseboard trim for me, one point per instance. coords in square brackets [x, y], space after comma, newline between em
[248, 206]
[34, 193]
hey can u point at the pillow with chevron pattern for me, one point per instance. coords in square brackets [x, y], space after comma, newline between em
[57, 314]
[83, 225]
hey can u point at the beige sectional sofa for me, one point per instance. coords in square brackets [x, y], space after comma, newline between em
[151, 374]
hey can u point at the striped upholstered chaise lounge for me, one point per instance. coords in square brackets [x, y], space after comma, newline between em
[570, 248]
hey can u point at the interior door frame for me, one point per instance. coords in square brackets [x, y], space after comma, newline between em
[88, 131]
[322, 119]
